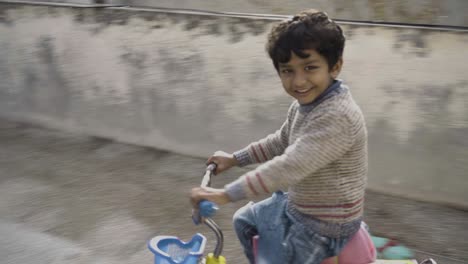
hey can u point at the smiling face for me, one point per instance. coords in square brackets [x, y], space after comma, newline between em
[306, 78]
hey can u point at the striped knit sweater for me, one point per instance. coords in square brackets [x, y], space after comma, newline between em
[319, 155]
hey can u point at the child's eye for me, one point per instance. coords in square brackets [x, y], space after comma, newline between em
[286, 71]
[310, 68]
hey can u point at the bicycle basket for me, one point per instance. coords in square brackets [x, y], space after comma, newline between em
[172, 250]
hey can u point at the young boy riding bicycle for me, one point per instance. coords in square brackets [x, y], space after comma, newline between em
[319, 155]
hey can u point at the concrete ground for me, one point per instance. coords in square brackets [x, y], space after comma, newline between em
[66, 198]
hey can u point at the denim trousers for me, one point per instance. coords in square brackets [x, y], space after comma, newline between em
[283, 240]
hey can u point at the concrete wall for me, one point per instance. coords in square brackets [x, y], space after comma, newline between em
[438, 12]
[81, 3]
[433, 12]
[194, 84]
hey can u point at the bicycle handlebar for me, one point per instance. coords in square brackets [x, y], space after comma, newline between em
[210, 171]
[207, 209]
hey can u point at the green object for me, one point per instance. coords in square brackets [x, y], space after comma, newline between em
[390, 249]
[379, 242]
[397, 252]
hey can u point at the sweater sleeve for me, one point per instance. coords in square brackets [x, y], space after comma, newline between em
[267, 148]
[326, 138]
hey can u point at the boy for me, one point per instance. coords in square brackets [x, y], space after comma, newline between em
[319, 154]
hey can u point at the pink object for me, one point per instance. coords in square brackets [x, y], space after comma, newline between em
[359, 250]
[255, 247]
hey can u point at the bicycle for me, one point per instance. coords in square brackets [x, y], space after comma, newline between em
[172, 250]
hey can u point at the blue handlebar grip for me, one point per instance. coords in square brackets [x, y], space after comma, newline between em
[207, 208]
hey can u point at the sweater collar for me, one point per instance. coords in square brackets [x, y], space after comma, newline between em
[332, 90]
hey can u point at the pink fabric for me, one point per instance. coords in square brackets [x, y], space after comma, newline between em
[359, 250]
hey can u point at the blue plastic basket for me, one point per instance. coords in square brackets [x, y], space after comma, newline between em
[172, 250]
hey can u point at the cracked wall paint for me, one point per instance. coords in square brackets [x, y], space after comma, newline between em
[451, 12]
[391, 81]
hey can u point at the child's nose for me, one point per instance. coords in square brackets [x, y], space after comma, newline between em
[299, 80]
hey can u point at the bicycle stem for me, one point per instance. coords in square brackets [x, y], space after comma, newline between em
[206, 182]
[219, 236]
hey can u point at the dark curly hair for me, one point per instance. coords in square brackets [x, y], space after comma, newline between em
[309, 29]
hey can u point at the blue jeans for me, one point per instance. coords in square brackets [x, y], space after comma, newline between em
[282, 238]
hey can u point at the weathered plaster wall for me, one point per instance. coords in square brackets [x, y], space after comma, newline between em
[436, 12]
[432, 12]
[194, 84]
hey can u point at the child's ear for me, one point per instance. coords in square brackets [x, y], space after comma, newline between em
[335, 71]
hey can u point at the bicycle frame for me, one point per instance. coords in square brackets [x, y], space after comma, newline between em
[206, 210]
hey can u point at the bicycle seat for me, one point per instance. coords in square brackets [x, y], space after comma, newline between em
[359, 250]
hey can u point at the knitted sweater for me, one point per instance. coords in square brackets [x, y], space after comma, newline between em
[319, 155]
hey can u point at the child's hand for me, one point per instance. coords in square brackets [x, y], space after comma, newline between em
[218, 196]
[223, 160]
